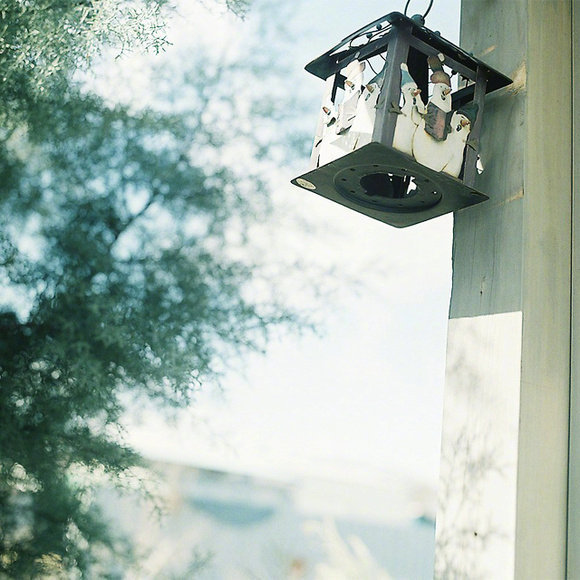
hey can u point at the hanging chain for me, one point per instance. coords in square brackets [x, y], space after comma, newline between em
[428, 8]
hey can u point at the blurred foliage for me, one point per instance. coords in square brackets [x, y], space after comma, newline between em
[118, 278]
[44, 42]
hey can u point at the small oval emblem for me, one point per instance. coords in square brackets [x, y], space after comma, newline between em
[305, 183]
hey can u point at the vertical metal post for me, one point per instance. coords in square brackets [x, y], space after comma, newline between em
[396, 54]
[470, 171]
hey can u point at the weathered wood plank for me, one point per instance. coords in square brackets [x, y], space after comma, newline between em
[574, 460]
[544, 400]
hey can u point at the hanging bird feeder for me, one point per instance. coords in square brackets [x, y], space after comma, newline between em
[400, 121]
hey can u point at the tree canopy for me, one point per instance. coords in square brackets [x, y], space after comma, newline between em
[118, 278]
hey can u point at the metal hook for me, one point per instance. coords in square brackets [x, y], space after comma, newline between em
[424, 15]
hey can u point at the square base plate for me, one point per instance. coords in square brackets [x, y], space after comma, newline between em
[368, 181]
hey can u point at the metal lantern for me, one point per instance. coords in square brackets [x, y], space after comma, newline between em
[400, 121]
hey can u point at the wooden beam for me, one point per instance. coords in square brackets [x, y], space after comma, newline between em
[574, 461]
[504, 463]
[546, 293]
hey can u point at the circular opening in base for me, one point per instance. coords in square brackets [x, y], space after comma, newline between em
[383, 185]
[382, 188]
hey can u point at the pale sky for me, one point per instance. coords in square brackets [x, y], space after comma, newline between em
[363, 401]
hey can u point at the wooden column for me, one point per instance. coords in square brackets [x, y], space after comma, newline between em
[504, 466]
[574, 472]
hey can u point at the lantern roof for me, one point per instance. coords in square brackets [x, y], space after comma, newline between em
[375, 37]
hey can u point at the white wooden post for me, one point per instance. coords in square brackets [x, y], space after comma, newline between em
[504, 467]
